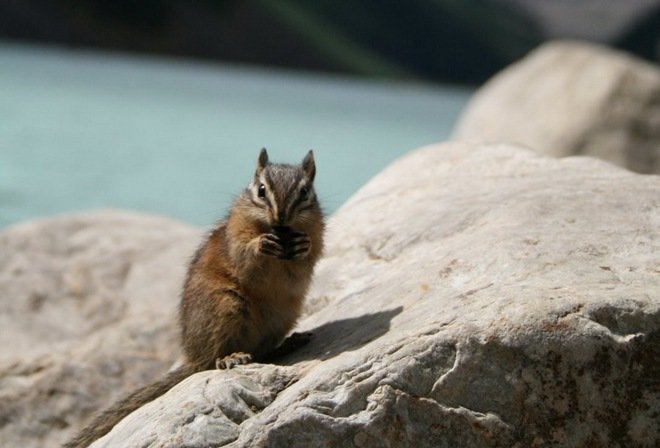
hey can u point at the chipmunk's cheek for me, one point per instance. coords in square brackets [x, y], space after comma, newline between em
[263, 219]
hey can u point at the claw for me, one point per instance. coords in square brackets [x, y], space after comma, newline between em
[301, 247]
[270, 244]
[285, 244]
[272, 237]
[232, 360]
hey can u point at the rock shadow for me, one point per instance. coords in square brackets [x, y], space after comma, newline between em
[338, 336]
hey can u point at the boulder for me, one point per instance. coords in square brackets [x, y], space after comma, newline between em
[570, 98]
[88, 307]
[471, 295]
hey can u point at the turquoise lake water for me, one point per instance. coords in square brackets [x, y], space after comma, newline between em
[84, 130]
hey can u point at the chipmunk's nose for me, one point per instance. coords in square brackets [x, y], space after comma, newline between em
[280, 217]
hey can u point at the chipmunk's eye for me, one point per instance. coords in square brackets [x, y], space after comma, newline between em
[262, 191]
[304, 192]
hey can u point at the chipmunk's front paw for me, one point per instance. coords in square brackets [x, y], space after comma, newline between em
[300, 246]
[271, 244]
[286, 243]
[232, 360]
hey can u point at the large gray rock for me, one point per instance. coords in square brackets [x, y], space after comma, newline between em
[471, 295]
[569, 98]
[87, 307]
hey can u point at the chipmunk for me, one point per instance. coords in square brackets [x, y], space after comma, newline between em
[245, 285]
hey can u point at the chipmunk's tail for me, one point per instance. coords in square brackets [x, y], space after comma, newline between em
[106, 420]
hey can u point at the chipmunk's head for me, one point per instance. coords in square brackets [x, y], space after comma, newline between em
[284, 194]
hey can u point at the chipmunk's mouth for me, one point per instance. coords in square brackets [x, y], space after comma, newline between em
[285, 235]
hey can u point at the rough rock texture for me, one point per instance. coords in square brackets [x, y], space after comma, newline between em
[570, 98]
[471, 295]
[86, 313]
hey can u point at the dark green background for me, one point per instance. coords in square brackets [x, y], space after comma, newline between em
[463, 41]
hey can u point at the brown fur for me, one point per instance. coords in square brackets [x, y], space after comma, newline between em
[239, 300]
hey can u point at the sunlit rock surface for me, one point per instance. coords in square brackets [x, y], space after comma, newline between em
[471, 295]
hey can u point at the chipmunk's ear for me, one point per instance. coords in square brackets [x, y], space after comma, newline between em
[309, 166]
[262, 161]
